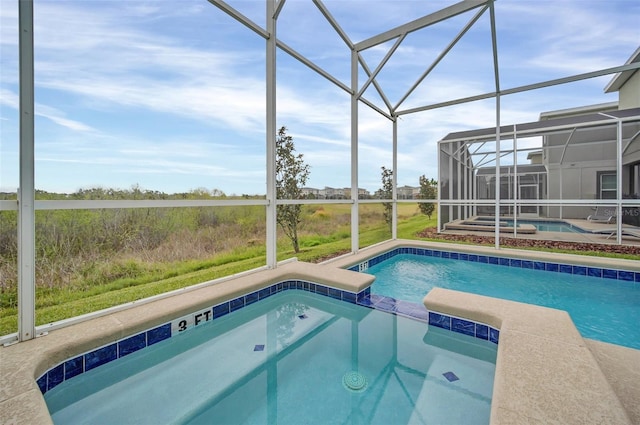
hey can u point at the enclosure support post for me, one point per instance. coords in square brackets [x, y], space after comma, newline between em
[26, 192]
[473, 179]
[468, 181]
[271, 219]
[498, 182]
[394, 182]
[494, 43]
[451, 180]
[439, 190]
[516, 184]
[355, 222]
[619, 212]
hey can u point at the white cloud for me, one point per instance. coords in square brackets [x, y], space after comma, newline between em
[157, 89]
[9, 98]
[572, 36]
[58, 117]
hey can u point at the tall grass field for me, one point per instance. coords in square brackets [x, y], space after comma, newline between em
[87, 260]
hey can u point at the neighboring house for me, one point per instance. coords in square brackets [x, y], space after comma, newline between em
[333, 193]
[408, 192]
[363, 194]
[310, 192]
[572, 155]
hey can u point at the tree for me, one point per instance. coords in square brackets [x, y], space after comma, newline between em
[386, 193]
[291, 176]
[428, 190]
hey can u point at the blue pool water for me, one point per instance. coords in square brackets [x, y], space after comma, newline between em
[603, 309]
[551, 226]
[541, 225]
[292, 358]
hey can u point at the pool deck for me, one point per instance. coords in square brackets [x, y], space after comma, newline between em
[546, 373]
[596, 232]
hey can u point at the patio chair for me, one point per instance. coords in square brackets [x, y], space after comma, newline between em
[625, 232]
[603, 214]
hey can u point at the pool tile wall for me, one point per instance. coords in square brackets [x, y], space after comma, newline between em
[464, 326]
[418, 311]
[121, 348]
[605, 273]
[102, 355]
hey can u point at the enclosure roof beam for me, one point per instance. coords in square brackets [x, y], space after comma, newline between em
[425, 21]
[499, 156]
[313, 66]
[279, 6]
[564, 149]
[482, 143]
[519, 89]
[571, 79]
[226, 8]
[441, 56]
[461, 148]
[631, 139]
[323, 9]
[382, 63]
[460, 157]
[375, 108]
[447, 103]
[364, 65]
[583, 144]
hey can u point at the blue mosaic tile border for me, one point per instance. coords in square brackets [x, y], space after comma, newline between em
[605, 273]
[440, 320]
[121, 348]
[464, 326]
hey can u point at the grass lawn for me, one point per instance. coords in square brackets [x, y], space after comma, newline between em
[326, 234]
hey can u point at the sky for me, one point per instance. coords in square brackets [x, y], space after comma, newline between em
[170, 96]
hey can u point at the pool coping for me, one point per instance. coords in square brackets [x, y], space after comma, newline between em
[525, 229]
[536, 372]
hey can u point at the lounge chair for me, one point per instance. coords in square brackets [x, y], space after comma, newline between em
[603, 214]
[625, 232]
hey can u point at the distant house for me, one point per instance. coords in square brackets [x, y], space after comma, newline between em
[333, 193]
[408, 192]
[572, 154]
[363, 193]
[310, 192]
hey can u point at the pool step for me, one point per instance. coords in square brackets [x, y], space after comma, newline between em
[545, 371]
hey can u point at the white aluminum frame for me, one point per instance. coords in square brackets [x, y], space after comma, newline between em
[26, 204]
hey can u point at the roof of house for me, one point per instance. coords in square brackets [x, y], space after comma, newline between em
[544, 126]
[620, 78]
[508, 169]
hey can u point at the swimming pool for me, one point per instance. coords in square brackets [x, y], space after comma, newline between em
[300, 358]
[604, 304]
[540, 225]
[551, 226]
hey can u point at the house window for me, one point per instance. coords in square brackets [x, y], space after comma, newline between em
[607, 185]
